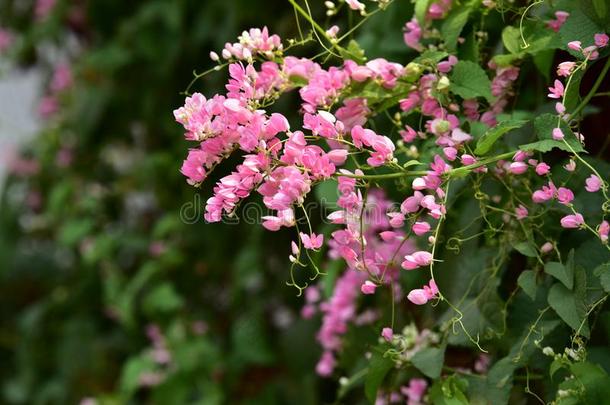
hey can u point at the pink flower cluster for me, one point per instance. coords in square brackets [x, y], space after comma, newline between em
[252, 43]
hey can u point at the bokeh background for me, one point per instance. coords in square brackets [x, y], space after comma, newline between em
[111, 285]
[106, 291]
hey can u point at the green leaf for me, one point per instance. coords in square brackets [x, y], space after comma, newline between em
[162, 299]
[526, 249]
[453, 25]
[561, 273]
[572, 97]
[449, 391]
[556, 365]
[544, 62]
[469, 80]
[601, 9]
[579, 27]
[431, 57]
[429, 361]
[511, 38]
[570, 305]
[421, 9]
[353, 51]
[527, 281]
[544, 125]
[486, 142]
[378, 368]
[603, 272]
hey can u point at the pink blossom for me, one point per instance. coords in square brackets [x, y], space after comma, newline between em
[468, 159]
[417, 259]
[450, 153]
[368, 287]
[332, 31]
[43, 8]
[326, 364]
[6, 39]
[421, 296]
[564, 195]
[565, 68]
[387, 334]
[547, 247]
[312, 241]
[572, 221]
[446, 66]
[603, 230]
[518, 167]
[570, 166]
[601, 40]
[575, 45]
[560, 108]
[415, 390]
[420, 228]
[542, 169]
[412, 34]
[560, 19]
[521, 212]
[62, 78]
[557, 90]
[355, 4]
[593, 183]
[558, 134]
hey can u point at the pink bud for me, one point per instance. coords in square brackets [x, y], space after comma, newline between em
[574, 45]
[593, 184]
[542, 169]
[518, 167]
[418, 183]
[420, 228]
[468, 159]
[337, 156]
[565, 195]
[417, 296]
[547, 247]
[603, 230]
[558, 134]
[387, 334]
[368, 287]
[572, 221]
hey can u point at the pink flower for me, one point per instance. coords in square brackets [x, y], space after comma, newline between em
[558, 134]
[387, 334]
[412, 34]
[560, 108]
[557, 90]
[546, 248]
[518, 167]
[415, 391]
[312, 241]
[603, 230]
[420, 296]
[561, 17]
[570, 166]
[521, 212]
[420, 228]
[355, 4]
[565, 195]
[326, 364]
[192, 167]
[575, 45]
[593, 184]
[368, 287]
[417, 259]
[601, 40]
[6, 39]
[542, 169]
[572, 221]
[468, 159]
[565, 68]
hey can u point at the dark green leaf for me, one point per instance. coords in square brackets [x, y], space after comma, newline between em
[527, 281]
[570, 305]
[561, 273]
[486, 142]
[378, 368]
[429, 361]
[469, 80]
[453, 25]
[526, 249]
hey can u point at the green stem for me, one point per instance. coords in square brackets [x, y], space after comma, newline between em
[593, 90]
